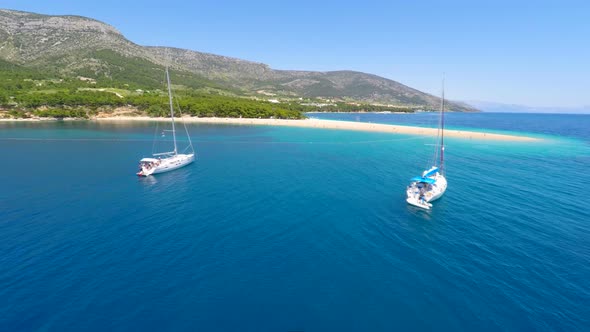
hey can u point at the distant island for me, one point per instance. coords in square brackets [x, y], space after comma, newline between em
[77, 67]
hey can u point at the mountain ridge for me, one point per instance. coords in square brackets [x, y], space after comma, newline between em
[72, 45]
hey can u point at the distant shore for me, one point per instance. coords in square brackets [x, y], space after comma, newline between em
[315, 123]
[333, 124]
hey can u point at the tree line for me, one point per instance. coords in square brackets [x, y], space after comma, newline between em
[75, 103]
[41, 92]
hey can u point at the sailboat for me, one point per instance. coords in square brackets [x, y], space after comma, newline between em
[170, 160]
[432, 184]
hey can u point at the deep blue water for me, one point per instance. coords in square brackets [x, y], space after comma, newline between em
[293, 229]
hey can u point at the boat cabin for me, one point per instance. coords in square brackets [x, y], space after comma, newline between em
[148, 163]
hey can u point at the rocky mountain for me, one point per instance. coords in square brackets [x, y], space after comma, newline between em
[74, 45]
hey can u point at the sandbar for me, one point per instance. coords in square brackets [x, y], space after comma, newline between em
[333, 124]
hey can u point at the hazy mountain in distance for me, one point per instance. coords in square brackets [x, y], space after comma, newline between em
[495, 107]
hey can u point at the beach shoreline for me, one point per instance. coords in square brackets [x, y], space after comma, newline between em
[312, 123]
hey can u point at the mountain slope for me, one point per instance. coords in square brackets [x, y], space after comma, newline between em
[79, 46]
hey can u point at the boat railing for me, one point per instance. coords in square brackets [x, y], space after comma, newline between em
[163, 153]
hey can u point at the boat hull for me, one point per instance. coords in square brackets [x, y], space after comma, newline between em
[421, 194]
[168, 164]
[432, 184]
[424, 205]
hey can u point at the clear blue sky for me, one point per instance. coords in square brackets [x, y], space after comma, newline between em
[525, 52]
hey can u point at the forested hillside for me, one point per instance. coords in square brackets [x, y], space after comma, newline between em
[73, 65]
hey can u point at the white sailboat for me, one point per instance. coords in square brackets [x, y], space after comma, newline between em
[432, 184]
[167, 161]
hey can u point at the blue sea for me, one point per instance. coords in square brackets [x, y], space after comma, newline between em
[295, 229]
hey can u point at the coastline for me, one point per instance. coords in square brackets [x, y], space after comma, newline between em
[313, 123]
[334, 124]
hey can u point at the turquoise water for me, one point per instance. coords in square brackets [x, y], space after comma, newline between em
[570, 125]
[293, 229]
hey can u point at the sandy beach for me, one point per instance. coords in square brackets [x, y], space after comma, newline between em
[309, 123]
[331, 124]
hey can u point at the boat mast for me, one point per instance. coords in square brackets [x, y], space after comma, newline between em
[442, 127]
[171, 110]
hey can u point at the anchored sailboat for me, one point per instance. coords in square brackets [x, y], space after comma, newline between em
[432, 184]
[167, 161]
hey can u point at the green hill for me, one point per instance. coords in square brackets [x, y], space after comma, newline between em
[66, 61]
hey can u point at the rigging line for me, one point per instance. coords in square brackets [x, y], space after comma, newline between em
[434, 155]
[171, 108]
[155, 139]
[185, 128]
[439, 132]
[442, 125]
